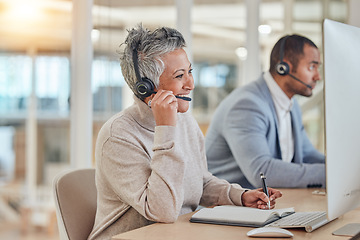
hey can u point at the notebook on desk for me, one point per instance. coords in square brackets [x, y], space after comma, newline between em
[253, 217]
[239, 216]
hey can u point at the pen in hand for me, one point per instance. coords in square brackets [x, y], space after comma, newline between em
[262, 176]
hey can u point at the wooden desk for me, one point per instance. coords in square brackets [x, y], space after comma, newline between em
[302, 199]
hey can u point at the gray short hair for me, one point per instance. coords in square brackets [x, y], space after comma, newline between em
[150, 47]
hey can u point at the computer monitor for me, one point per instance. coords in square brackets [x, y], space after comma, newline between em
[342, 116]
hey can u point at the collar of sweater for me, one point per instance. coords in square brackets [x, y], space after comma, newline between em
[143, 114]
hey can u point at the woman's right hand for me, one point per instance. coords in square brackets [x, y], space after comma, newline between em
[164, 107]
[256, 198]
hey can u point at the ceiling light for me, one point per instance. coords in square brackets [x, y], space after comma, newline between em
[264, 29]
[24, 10]
[95, 35]
[241, 52]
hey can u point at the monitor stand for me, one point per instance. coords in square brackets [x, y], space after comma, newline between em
[350, 230]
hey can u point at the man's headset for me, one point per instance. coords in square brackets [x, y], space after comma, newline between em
[283, 68]
[144, 86]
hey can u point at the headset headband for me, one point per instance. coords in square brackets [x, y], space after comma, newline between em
[282, 48]
[135, 61]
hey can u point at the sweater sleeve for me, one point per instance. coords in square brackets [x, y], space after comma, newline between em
[220, 192]
[150, 184]
[217, 191]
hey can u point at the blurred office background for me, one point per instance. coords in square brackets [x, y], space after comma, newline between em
[60, 53]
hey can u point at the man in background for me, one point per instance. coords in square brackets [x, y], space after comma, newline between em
[258, 127]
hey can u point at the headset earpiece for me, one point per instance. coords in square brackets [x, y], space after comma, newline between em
[145, 87]
[282, 68]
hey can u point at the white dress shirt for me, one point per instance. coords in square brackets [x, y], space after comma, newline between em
[283, 106]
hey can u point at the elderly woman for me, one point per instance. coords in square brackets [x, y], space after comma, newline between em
[150, 158]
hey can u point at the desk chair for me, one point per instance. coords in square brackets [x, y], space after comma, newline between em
[75, 200]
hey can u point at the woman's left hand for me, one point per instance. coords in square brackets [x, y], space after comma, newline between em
[257, 198]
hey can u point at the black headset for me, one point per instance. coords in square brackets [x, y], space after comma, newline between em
[282, 67]
[144, 86]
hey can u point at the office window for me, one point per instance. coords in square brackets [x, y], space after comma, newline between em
[53, 83]
[107, 86]
[15, 82]
[213, 82]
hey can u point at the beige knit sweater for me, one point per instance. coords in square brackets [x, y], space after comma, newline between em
[147, 173]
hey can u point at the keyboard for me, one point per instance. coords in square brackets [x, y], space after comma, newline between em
[308, 220]
[356, 237]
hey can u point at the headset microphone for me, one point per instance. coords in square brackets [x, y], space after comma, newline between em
[183, 98]
[180, 97]
[143, 89]
[144, 86]
[309, 86]
[283, 68]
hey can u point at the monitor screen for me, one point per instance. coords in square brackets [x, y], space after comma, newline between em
[342, 116]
